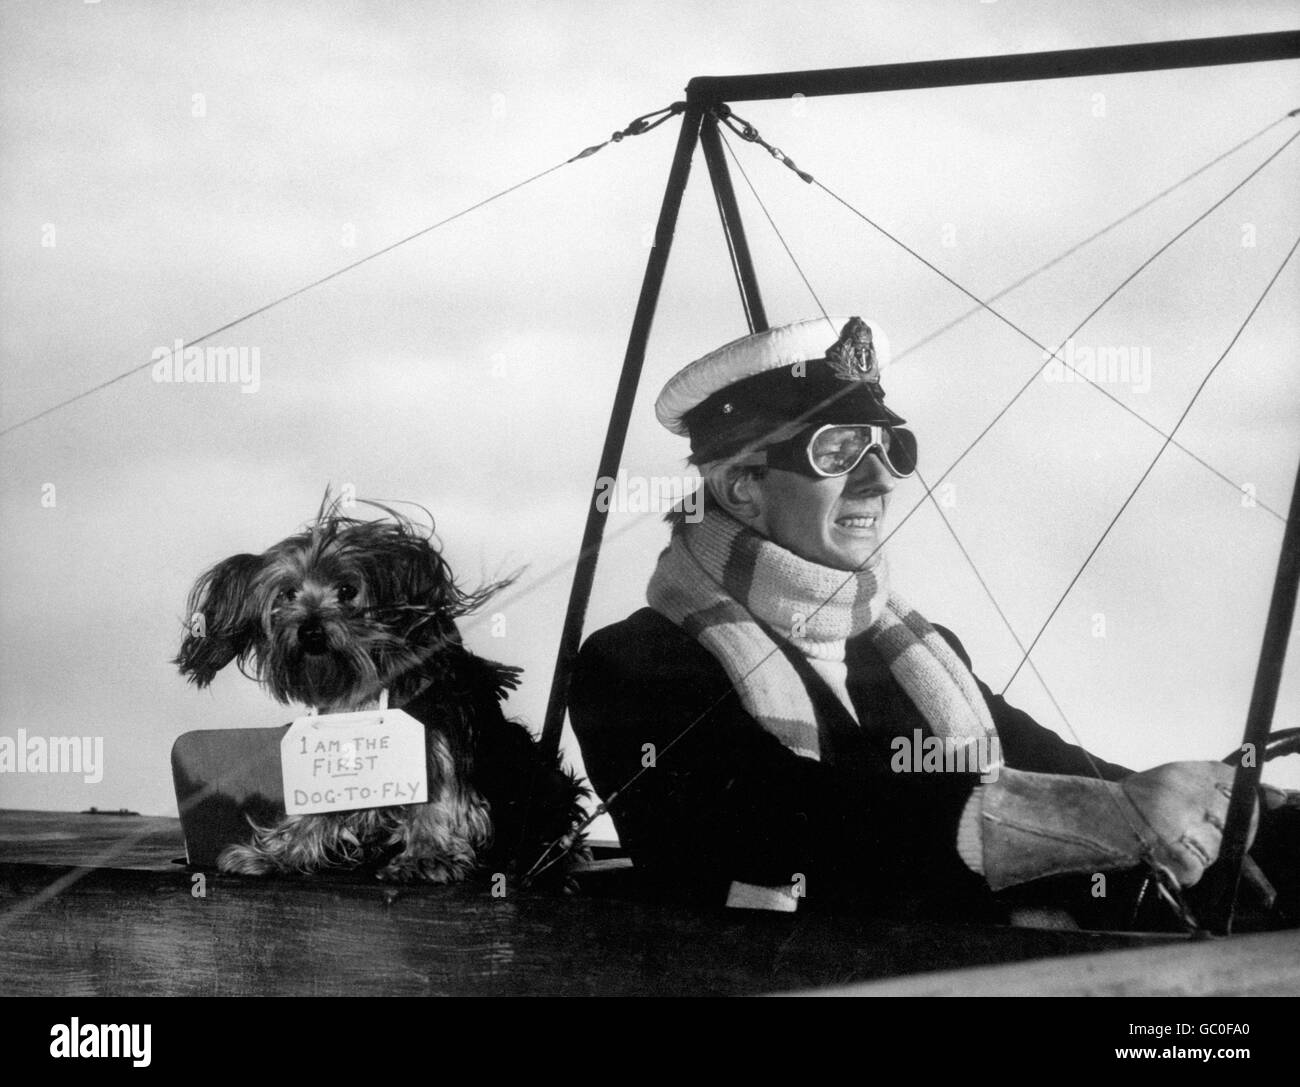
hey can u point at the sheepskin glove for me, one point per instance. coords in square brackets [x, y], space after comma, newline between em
[1036, 825]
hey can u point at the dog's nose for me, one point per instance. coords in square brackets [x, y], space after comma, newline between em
[311, 636]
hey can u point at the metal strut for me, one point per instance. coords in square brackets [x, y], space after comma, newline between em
[1008, 68]
[733, 228]
[706, 92]
[1259, 723]
[695, 126]
[616, 434]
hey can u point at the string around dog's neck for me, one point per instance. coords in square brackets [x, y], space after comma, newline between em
[380, 703]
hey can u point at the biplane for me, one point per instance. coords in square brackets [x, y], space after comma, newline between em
[97, 903]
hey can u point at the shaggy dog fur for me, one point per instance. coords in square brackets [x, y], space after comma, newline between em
[328, 618]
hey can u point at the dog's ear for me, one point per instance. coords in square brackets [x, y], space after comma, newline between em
[404, 569]
[422, 575]
[428, 578]
[425, 578]
[224, 618]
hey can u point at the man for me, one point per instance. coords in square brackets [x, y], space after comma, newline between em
[772, 700]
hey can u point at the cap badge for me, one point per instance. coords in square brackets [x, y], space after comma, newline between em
[853, 356]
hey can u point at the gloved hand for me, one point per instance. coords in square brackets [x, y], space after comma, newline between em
[1277, 848]
[1275, 799]
[1037, 825]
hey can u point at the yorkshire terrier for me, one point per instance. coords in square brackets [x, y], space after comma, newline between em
[329, 618]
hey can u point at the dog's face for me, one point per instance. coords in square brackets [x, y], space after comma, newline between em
[330, 616]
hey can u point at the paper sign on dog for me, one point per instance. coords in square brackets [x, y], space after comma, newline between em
[344, 761]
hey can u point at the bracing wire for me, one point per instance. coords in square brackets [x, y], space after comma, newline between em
[547, 859]
[1054, 354]
[636, 128]
[1167, 888]
[1150, 467]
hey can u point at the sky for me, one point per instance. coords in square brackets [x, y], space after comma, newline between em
[168, 167]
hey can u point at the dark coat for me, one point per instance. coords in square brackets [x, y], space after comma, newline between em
[726, 801]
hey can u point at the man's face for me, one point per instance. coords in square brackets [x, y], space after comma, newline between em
[836, 522]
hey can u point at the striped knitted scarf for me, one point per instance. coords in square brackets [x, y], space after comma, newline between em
[723, 584]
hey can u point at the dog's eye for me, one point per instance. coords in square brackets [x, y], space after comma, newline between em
[347, 592]
[286, 596]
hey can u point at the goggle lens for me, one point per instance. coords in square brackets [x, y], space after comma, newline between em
[837, 450]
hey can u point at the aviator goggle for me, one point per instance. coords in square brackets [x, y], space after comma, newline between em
[835, 450]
